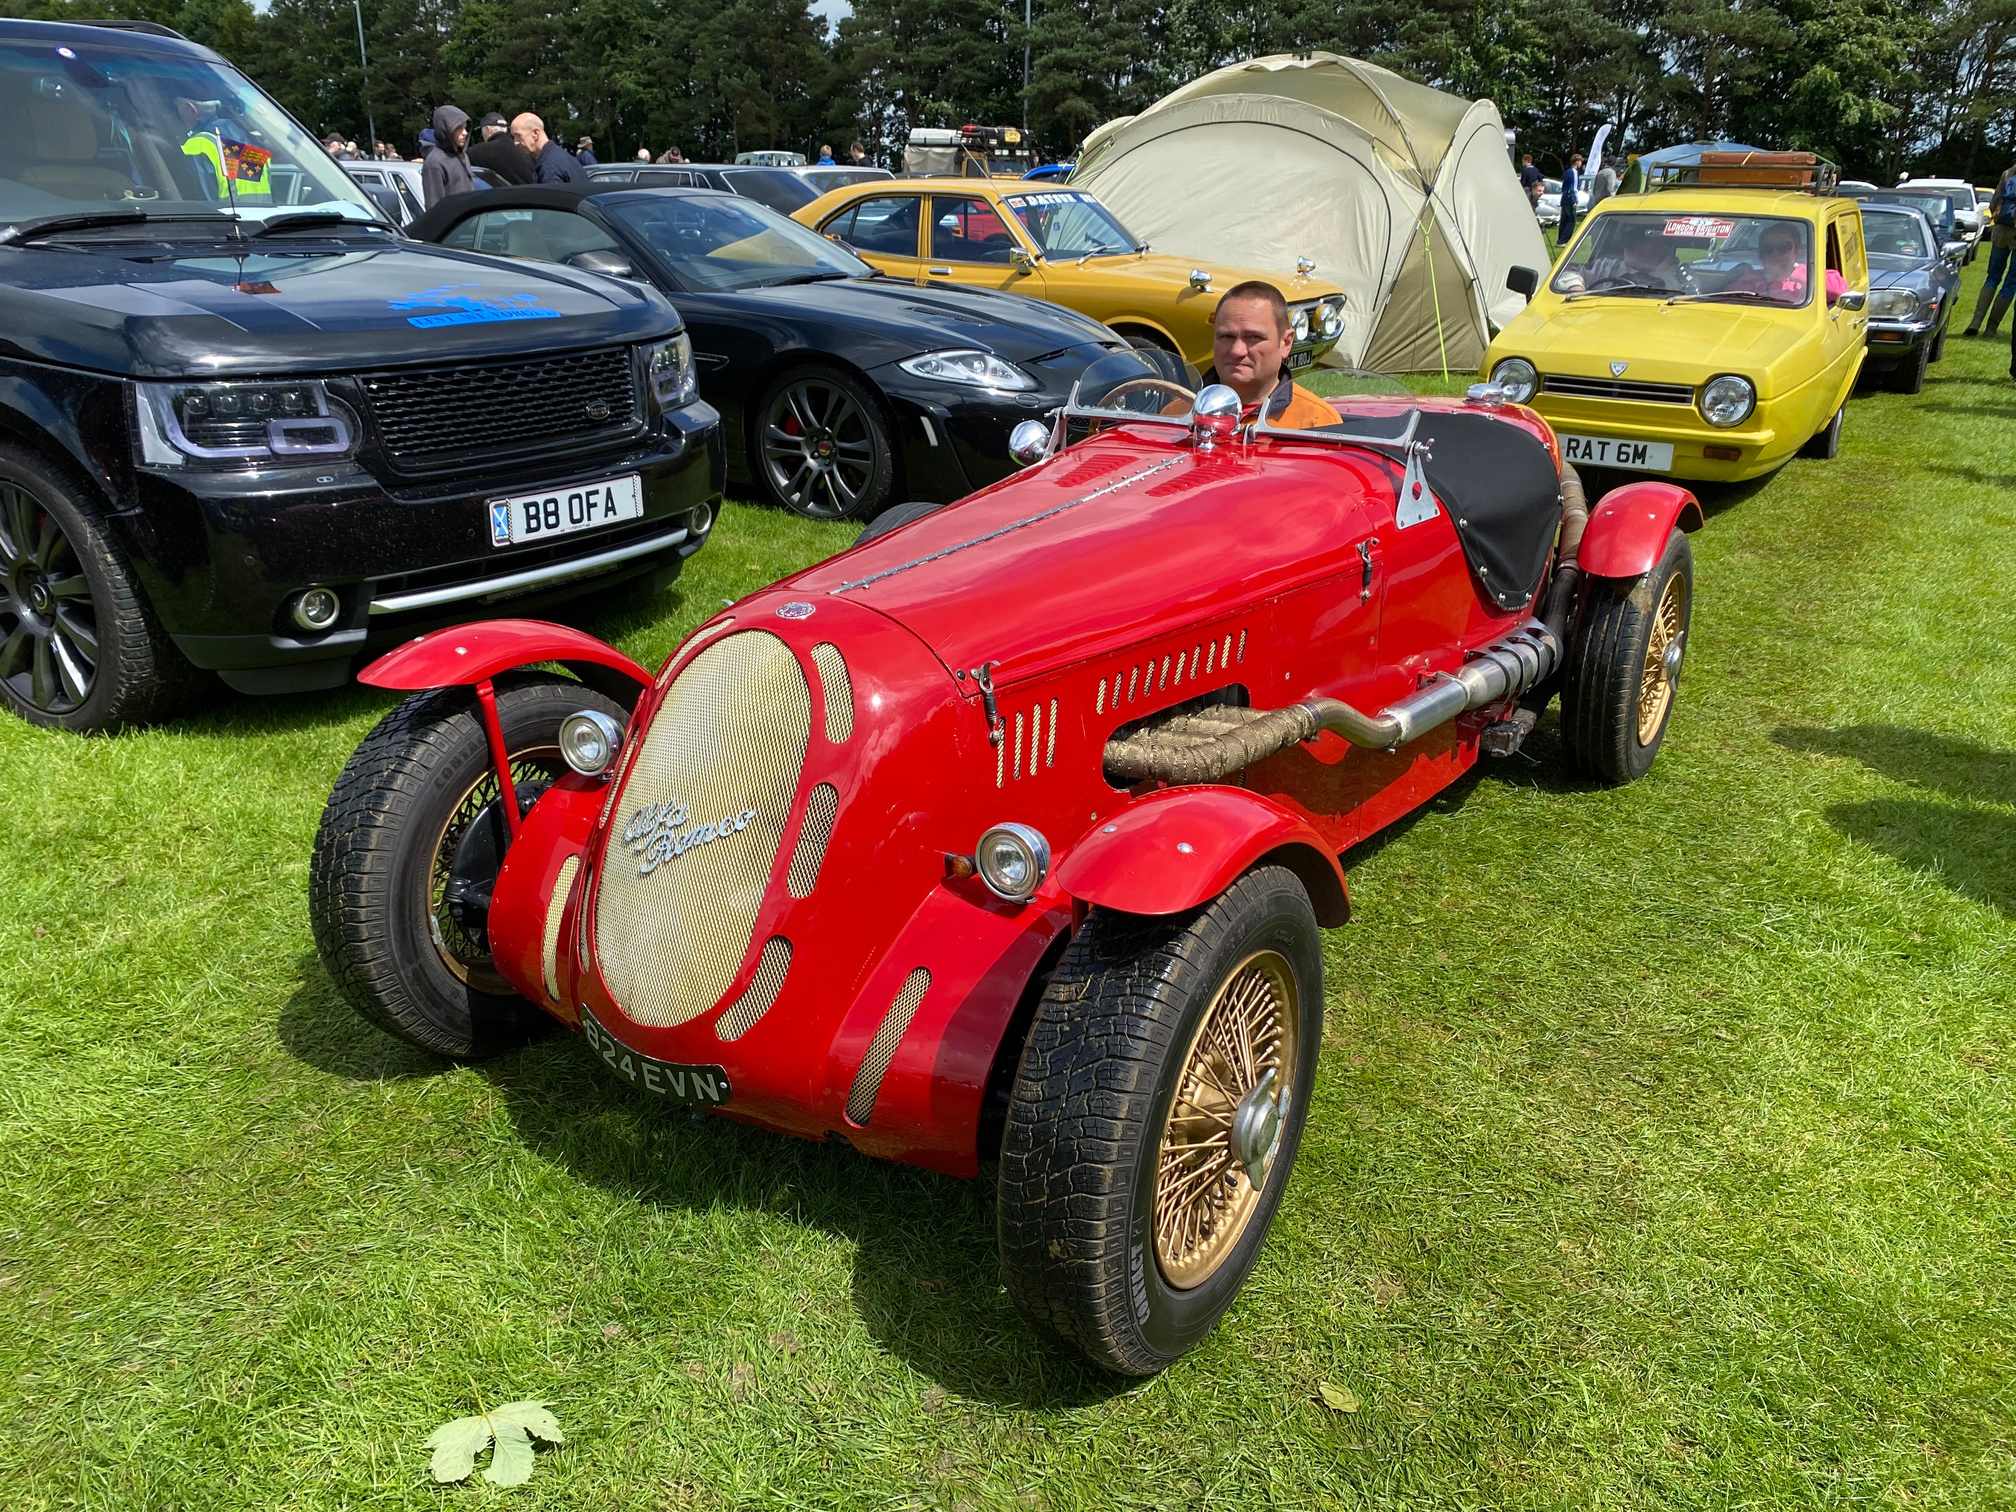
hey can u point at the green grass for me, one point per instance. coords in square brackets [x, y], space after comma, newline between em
[1664, 1152]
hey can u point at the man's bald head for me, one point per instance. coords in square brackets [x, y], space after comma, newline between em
[529, 132]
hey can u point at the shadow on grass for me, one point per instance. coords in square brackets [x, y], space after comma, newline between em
[1713, 498]
[1975, 475]
[926, 1276]
[1967, 844]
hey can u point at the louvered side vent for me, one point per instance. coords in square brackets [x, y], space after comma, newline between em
[549, 951]
[1030, 744]
[882, 1049]
[838, 688]
[1158, 674]
[763, 990]
[813, 834]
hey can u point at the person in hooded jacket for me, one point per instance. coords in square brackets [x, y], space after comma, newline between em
[446, 168]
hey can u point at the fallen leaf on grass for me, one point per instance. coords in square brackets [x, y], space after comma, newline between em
[785, 1342]
[933, 1398]
[1724, 1034]
[506, 1431]
[1338, 1398]
[612, 1330]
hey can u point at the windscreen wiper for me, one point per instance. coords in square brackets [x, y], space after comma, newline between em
[1101, 250]
[24, 232]
[1718, 294]
[805, 278]
[307, 219]
[1619, 288]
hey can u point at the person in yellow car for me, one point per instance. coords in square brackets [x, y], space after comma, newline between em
[1251, 338]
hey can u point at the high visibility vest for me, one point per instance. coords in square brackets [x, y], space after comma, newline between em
[205, 148]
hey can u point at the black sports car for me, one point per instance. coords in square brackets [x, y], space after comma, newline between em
[846, 388]
[1913, 286]
[782, 189]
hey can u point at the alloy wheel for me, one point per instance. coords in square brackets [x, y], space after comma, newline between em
[1235, 1076]
[819, 449]
[48, 623]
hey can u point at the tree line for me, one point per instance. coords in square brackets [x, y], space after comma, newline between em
[1882, 87]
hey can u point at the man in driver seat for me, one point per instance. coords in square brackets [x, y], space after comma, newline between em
[1250, 339]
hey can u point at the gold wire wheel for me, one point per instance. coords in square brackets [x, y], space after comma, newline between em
[1655, 683]
[468, 960]
[1204, 1195]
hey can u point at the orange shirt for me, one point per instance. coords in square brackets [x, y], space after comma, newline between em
[1304, 410]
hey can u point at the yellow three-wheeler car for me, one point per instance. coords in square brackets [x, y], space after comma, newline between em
[1706, 331]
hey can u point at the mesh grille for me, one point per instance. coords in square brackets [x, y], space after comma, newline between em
[549, 954]
[812, 837]
[1613, 388]
[882, 1049]
[763, 990]
[838, 689]
[434, 415]
[726, 745]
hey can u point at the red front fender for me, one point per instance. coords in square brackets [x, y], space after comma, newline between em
[1182, 847]
[1629, 529]
[471, 653]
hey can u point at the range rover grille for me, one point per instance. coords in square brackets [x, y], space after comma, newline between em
[433, 417]
[1616, 388]
[713, 782]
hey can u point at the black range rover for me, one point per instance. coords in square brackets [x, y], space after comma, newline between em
[247, 427]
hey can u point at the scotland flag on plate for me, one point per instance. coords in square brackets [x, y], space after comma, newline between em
[500, 524]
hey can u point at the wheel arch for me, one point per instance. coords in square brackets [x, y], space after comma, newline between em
[464, 654]
[1628, 529]
[1180, 848]
[32, 421]
[1133, 324]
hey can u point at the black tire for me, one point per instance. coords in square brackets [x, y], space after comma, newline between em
[819, 445]
[1908, 377]
[79, 646]
[1146, 341]
[1939, 343]
[1615, 703]
[1085, 1131]
[1825, 444]
[410, 798]
[894, 515]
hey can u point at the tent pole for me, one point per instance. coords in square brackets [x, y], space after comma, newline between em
[1434, 292]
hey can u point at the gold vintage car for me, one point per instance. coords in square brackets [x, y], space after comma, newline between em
[1706, 331]
[1059, 244]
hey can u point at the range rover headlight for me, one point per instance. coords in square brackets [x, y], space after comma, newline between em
[1893, 304]
[1518, 378]
[668, 373]
[1298, 318]
[1330, 319]
[969, 368]
[589, 741]
[241, 424]
[1727, 400]
[1013, 860]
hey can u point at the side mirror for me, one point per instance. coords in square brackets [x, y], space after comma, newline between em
[1029, 442]
[1020, 260]
[1852, 299]
[599, 260]
[1523, 282]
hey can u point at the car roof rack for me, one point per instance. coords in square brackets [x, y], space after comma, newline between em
[1796, 171]
[149, 28]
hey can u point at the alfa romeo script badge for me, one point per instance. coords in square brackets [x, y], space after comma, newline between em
[655, 834]
[1617, 369]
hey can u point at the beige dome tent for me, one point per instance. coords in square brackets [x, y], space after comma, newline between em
[1402, 194]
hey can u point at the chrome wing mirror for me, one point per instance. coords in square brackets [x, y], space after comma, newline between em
[1214, 415]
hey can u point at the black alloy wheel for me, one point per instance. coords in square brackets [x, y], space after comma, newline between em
[48, 624]
[79, 649]
[821, 447]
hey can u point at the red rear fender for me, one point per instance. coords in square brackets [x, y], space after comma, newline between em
[470, 653]
[1180, 848]
[1629, 529]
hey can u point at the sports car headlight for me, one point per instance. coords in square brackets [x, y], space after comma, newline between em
[1727, 400]
[589, 741]
[241, 424]
[1518, 377]
[1330, 319]
[668, 370]
[1299, 319]
[970, 368]
[1012, 860]
[1893, 304]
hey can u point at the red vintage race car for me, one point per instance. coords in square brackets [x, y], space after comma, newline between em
[1006, 836]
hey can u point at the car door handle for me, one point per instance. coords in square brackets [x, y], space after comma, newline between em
[939, 272]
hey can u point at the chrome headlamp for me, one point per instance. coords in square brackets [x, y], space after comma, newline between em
[1727, 400]
[1012, 860]
[1518, 378]
[970, 368]
[669, 373]
[1893, 304]
[1330, 319]
[241, 424]
[1299, 320]
[589, 741]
